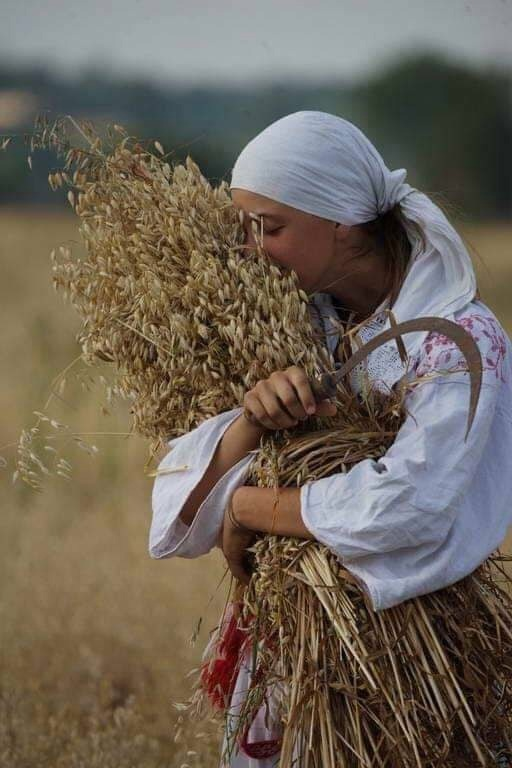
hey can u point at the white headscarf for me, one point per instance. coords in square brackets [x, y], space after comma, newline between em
[324, 165]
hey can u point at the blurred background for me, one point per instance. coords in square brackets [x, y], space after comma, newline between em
[95, 636]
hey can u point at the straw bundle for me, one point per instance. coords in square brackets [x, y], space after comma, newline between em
[425, 683]
[190, 321]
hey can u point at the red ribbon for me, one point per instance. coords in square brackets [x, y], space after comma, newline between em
[218, 678]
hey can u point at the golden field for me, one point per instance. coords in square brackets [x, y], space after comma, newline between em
[95, 636]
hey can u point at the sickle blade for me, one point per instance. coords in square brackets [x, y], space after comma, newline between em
[453, 331]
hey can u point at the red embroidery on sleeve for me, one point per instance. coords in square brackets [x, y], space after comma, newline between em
[441, 353]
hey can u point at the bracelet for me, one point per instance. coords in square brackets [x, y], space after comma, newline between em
[274, 514]
[231, 515]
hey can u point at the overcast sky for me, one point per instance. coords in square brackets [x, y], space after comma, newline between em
[236, 40]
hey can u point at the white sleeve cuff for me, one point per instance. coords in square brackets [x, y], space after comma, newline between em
[191, 454]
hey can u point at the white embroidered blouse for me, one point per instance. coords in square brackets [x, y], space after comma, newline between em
[420, 518]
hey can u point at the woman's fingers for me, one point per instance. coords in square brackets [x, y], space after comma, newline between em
[300, 382]
[235, 542]
[238, 570]
[235, 551]
[274, 408]
[306, 403]
[284, 399]
[293, 394]
[253, 403]
[326, 408]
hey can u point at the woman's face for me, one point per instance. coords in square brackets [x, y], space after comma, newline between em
[293, 239]
[334, 258]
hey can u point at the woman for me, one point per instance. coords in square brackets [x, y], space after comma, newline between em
[362, 242]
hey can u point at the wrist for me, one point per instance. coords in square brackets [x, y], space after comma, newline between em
[252, 423]
[238, 507]
[234, 510]
[249, 435]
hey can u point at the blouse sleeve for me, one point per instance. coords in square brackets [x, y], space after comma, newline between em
[398, 523]
[190, 457]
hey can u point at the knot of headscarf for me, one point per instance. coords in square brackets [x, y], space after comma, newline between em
[324, 165]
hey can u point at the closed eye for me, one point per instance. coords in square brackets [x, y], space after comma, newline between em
[272, 231]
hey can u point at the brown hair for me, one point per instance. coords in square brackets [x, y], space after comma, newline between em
[390, 237]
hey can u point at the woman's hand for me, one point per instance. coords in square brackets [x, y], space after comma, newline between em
[235, 541]
[284, 399]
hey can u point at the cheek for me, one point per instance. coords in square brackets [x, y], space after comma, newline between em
[287, 251]
[307, 259]
[299, 252]
[308, 254]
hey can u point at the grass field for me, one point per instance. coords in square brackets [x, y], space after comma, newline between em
[95, 636]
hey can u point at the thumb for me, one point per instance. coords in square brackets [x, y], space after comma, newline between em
[327, 407]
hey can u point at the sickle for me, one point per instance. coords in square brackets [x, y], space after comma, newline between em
[325, 386]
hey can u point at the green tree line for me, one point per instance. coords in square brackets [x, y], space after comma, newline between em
[449, 124]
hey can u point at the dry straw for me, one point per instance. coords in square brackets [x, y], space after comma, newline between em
[190, 320]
